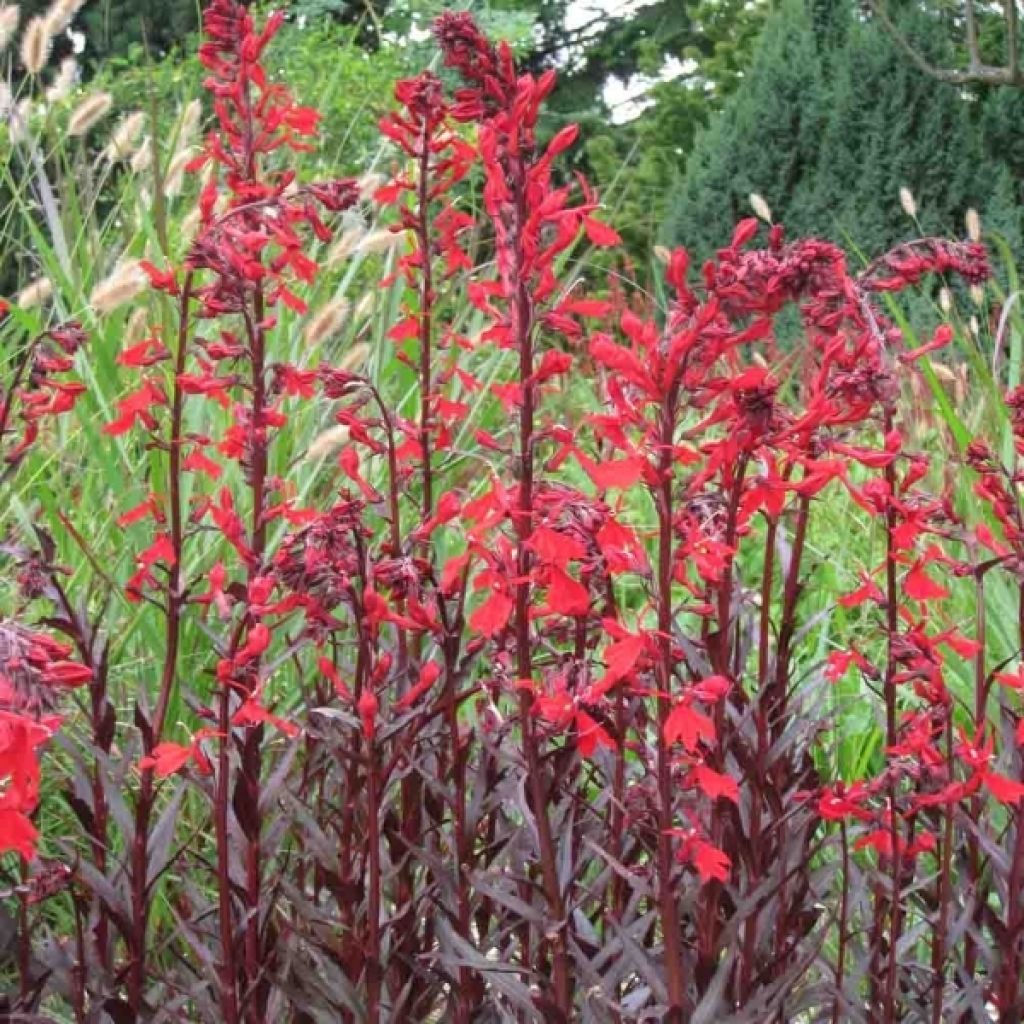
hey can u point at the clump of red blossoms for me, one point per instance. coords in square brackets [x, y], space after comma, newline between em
[531, 705]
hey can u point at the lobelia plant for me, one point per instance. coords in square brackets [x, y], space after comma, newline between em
[526, 715]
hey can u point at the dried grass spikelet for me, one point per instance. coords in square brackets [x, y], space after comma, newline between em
[381, 241]
[137, 327]
[123, 137]
[190, 226]
[327, 321]
[760, 207]
[64, 81]
[977, 294]
[345, 245]
[974, 326]
[327, 443]
[21, 116]
[127, 280]
[36, 43]
[973, 222]
[354, 357]
[61, 13]
[142, 158]
[89, 113]
[368, 185]
[945, 299]
[35, 293]
[908, 202]
[6, 99]
[961, 386]
[663, 254]
[364, 307]
[943, 373]
[174, 176]
[190, 118]
[9, 15]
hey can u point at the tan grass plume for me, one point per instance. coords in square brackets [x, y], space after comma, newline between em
[190, 118]
[973, 222]
[142, 158]
[89, 113]
[174, 176]
[127, 280]
[36, 43]
[9, 15]
[760, 207]
[21, 115]
[368, 185]
[381, 241]
[35, 293]
[327, 443]
[908, 202]
[345, 245]
[327, 321]
[354, 357]
[61, 13]
[122, 139]
[137, 327]
[64, 81]
[364, 307]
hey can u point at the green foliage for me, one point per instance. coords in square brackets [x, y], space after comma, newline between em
[765, 140]
[319, 59]
[116, 26]
[636, 161]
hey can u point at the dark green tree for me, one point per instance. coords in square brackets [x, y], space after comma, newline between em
[833, 120]
[765, 140]
[890, 126]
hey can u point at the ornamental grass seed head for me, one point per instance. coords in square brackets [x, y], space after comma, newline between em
[122, 139]
[89, 113]
[35, 293]
[36, 43]
[327, 321]
[908, 202]
[64, 82]
[9, 15]
[61, 13]
[973, 222]
[760, 207]
[127, 280]
[383, 241]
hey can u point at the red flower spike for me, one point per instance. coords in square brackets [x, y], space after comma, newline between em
[591, 736]
[1004, 789]
[688, 726]
[17, 833]
[429, 674]
[565, 595]
[492, 616]
[714, 784]
[367, 707]
[710, 862]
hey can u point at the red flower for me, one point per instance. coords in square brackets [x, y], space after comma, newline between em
[688, 726]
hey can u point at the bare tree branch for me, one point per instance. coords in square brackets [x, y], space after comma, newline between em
[971, 31]
[976, 72]
[1010, 16]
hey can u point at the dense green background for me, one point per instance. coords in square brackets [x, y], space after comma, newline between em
[808, 102]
